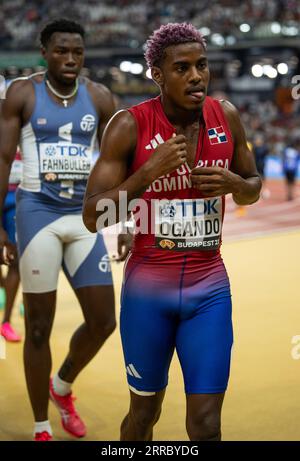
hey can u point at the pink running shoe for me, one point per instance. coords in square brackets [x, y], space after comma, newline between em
[42, 437]
[70, 419]
[9, 333]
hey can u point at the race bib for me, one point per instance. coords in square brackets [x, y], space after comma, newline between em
[15, 176]
[189, 224]
[64, 161]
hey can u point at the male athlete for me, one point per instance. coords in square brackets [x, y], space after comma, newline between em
[12, 279]
[58, 117]
[181, 152]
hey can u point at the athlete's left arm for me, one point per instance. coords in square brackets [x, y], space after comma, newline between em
[106, 109]
[105, 105]
[243, 165]
[242, 180]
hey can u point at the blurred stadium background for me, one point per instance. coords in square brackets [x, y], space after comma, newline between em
[254, 58]
[253, 46]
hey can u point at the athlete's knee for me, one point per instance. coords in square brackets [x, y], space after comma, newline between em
[204, 425]
[99, 328]
[145, 418]
[37, 333]
[105, 329]
[110, 326]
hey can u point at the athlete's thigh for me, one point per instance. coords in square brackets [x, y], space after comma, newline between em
[86, 262]
[148, 328]
[203, 344]
[39, 248]
[98, 305]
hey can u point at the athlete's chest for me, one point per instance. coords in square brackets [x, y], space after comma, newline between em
[193, 135]
[69, 126]
[206, 146]
[52, 121]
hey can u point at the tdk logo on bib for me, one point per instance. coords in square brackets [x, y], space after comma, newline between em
[50, 151]
[66, 150]
[168, 210]
[188, 224]
[88, 122]
[65, 161]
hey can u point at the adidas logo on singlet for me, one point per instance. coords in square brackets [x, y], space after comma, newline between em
[154, 142]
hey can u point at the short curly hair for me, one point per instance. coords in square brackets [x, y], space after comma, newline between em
[167, 35]
[60, 25]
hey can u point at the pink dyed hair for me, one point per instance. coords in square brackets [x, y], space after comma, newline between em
[167, 35]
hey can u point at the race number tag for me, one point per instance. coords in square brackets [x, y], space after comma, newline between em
[65, 161]
[189, 224]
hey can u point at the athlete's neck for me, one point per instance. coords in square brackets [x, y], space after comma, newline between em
[61, 87]
[181, 117]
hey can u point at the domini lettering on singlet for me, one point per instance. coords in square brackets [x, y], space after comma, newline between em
[181, 180]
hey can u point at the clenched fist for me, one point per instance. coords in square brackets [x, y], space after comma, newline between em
[167, 157]
[214, 181]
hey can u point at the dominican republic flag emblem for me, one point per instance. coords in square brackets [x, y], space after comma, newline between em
[217, 135]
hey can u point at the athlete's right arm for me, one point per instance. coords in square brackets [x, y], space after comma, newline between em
[10, 126]
[110, 174]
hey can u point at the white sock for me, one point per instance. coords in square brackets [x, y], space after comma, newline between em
[42, 426]
[61, 387]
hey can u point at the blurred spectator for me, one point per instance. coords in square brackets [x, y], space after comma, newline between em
[291, 158]
[261, 150]
[126, 23]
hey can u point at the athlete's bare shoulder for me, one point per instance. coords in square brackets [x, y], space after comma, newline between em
[232, 115]
[21, 88]
[18, 100]
[229, 108]
[27, 81]
[101, 95]
[18, 90]
[121, 134]
[20, 96]
[124, 120]
[97, 87]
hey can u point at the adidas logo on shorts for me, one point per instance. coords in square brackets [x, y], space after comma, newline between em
[104, 264]
[132, 371]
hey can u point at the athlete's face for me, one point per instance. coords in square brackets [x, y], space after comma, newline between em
[183, 75]
[65, 56]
